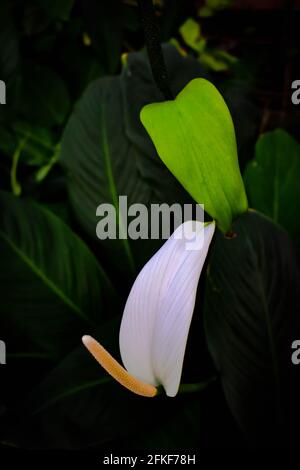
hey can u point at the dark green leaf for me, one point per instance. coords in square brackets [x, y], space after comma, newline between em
[39, 143]
[245, 114]
[251, 319]
[180, 431]
[78, 405]
[106, 32]
[101, 163]
[6, 141]
[35, 21]
[107, 153]
[9, 60]
[272, 179]
[43, 87]
[51, 286]
[9, 47]
[139, 89]
[57, 9]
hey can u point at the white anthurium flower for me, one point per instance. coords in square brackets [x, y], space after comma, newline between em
[158, 314]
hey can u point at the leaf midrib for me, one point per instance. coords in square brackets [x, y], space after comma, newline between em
[268, 323]
[276, 189]
[48, 282]
[112, 186]
[73, 391]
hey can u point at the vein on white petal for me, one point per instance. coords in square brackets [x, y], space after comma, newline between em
[176, 310]
[140, 313]
[150, 317]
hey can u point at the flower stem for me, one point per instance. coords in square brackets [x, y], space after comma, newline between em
[195, 387]
[153, 45]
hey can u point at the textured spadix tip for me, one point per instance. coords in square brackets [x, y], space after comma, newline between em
[86, 339]
[115, 369]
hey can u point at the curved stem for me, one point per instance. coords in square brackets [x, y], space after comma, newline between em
[15, 185]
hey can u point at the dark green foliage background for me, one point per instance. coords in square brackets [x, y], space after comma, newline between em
[71, 139]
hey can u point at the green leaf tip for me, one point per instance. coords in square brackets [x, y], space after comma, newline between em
[194, 136]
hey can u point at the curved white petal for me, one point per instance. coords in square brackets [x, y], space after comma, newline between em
[160, 306]
[172, 326]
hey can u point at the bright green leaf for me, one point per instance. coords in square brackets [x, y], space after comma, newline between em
[212, 62]
[217, 60]
[194, 136]
[15, 185]
[191, 33]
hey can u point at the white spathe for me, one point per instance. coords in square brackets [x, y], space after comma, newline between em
[159, 309]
